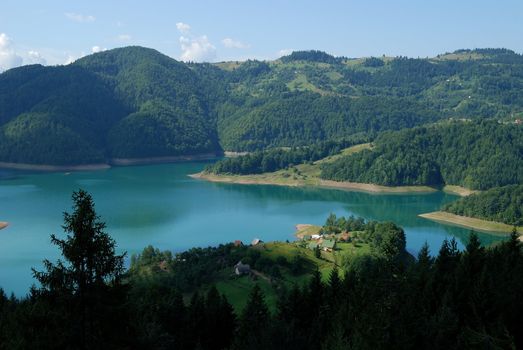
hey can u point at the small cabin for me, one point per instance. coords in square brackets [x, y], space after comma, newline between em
[328, 245]
[256, 241]
[238, 243]
[242, 269]
[312, 245]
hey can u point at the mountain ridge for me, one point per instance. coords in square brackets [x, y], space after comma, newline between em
[135, 102]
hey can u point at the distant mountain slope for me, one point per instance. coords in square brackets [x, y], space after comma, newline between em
[135, 102]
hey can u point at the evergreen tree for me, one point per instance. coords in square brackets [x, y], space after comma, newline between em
[88, 281]
[254, 323]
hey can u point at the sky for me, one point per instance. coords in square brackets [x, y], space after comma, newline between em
[55, 32]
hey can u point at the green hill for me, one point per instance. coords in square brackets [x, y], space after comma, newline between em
[123, 103]
[135, 102]
[475, 155]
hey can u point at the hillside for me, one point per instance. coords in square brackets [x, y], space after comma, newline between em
[123, 103]
[274, 266]
[475, 155]
[309, 96]
[134, 102]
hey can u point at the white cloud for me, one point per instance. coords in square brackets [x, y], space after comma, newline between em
[234, 44]
[8, 57]
[184, 28]
[71, 58]
[96, 49]
[285, 52]
[34, 57]
[124, 37]
[77, 17]
[195, 48]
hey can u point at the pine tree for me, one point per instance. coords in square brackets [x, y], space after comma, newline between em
[254, 323]
[219, 325]
[86, 286]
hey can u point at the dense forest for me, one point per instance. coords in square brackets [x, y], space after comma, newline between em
[134, 102]
[467, 299]
[476, 155]
[501, 204]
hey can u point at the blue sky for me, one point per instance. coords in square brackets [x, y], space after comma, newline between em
[57, 32]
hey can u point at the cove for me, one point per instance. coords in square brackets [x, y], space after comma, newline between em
[160, 205]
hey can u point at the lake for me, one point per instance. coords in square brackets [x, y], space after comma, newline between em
[160, 205]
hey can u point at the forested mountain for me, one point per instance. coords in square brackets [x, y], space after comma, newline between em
[135, 102]
[501, 204]
[476, 155]
[131, 102]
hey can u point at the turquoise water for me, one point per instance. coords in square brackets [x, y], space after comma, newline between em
[162, 206]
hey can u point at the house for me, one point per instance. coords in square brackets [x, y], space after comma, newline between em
[316, 236]
[328, 245]
[238, 243]
[164, 266]
[256, 241]
[312, 245]
[344, 237]
[242, 269]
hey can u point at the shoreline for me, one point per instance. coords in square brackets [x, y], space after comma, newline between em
[3, 224]
[52, 168]
[103, 166]
[160, 160]
[302, 230]
[349, 186]
[469, 222]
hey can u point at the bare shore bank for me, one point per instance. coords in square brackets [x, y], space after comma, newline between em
[102, 166]
[315, 182]
[160, 160]
[468, 222]
[46, 167]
